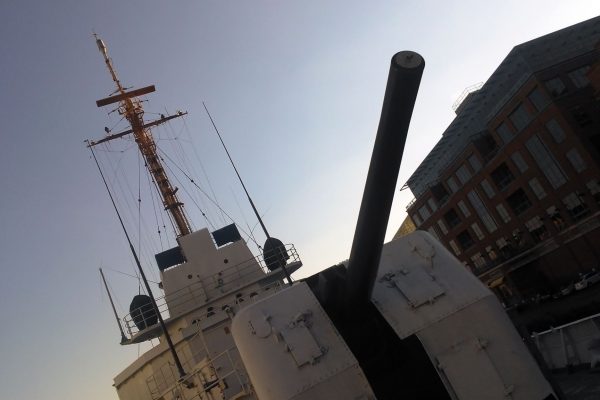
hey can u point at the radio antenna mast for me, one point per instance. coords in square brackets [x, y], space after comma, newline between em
[274, 251]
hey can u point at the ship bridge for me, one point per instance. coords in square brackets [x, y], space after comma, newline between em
[227, 283]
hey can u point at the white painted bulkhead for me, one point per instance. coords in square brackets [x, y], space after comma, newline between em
[202, 295]
[292, 350]
[422, 289]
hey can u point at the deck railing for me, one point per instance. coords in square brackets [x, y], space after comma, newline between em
[200, 379]
[201, 291]
[572, 344]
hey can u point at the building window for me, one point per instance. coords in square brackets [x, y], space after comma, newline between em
[538, 99]
[491, 253]
[592, 186]
[478, 260]
[502, 176]
[488, 189]
[537, 228]
[416, 219]
[579, 77]
[555, 217]
[594, 189]
[581, 116]
[576, 160]
[454, 247]
[555, 86]
[534, 223]
[517, 237]
[432, 204]
[478, 231]
[555, 130]
[577, 208]
[501, 243]
[442, 226]
[537, 188]
[503, 213]
[463, 174]
[452, 184]
[464, 209]
[465, 240]
[518, 201]
[483, 213]
[433, 232]
[520, 117]
[475, 163]
[519, 161]
[452, 218]
[424, 212]
[440, 194]
[546, 162]
[504, 132]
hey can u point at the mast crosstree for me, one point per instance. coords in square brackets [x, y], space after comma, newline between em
[131, 108]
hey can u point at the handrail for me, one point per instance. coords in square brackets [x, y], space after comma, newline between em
[201, 291]
[571, 344]
[158, 386]
[557, 328]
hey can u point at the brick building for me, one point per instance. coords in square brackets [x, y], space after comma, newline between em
[512, 187]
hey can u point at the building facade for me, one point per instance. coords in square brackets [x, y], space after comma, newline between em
[407, 226]
[513, 186]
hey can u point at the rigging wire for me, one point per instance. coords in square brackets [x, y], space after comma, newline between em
[179, 152]
[131, 192]
[111, 184]
[126, 274]
[131, 209]
[115, 297]
[116, 123]
[139, 212]
[116, 151]
[189, 195]
[199, 159]
[122, 184]
[205, 194]
[139, 265]
[146, 254]
[240, 178]
[170, 218]
[243, 217]
[156, 214]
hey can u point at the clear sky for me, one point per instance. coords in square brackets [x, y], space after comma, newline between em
[296, 90]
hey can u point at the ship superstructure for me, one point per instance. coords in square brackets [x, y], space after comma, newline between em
[206, 279]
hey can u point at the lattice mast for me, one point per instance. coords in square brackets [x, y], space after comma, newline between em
[130, 106]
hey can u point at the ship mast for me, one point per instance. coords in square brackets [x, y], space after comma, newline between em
[131, 108]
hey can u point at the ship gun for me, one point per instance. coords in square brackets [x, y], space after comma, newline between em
[401, 320]
[400, 95]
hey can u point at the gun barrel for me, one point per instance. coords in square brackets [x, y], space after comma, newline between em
[400, 94]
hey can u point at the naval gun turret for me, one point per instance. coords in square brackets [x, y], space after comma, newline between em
[404, 320]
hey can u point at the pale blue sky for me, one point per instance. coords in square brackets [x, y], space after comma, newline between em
[296, 90]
